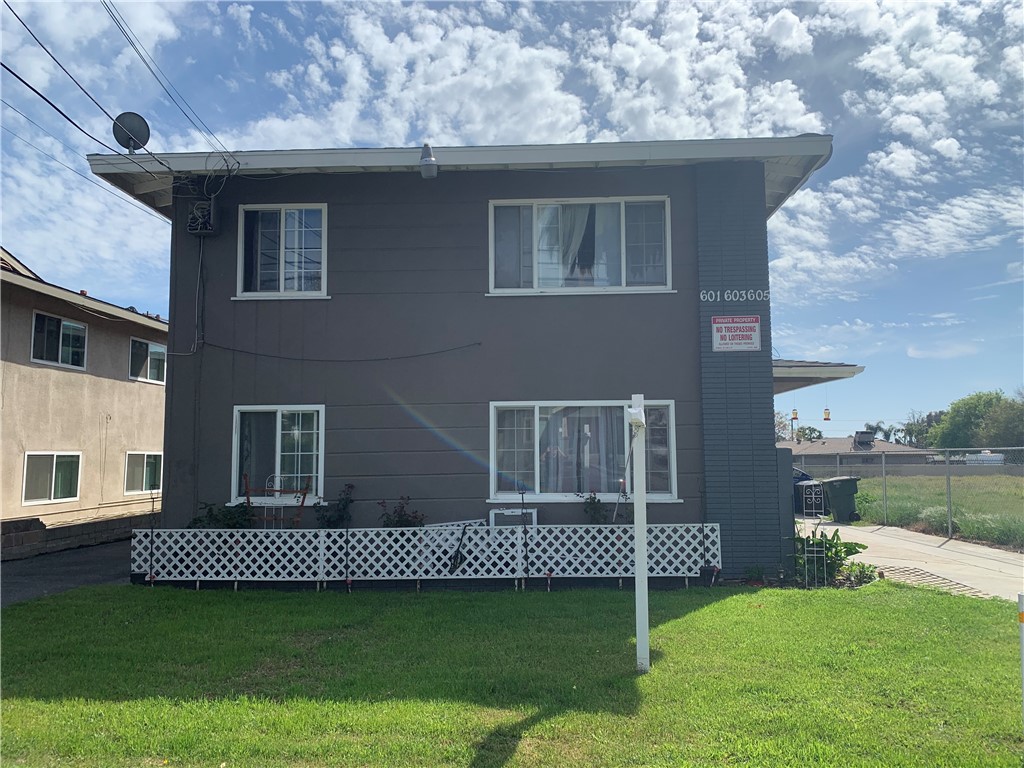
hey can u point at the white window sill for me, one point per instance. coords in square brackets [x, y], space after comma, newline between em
[65, 366]
[279, 296]
[514, 502]
[576, 291]
[156, 493]
[284, 501]
[40, 502]
[148, 381]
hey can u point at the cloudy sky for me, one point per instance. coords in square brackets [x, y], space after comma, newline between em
[904, 254]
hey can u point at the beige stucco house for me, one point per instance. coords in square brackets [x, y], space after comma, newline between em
[81, 404]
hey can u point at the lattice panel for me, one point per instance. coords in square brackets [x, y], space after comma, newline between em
[420, 553]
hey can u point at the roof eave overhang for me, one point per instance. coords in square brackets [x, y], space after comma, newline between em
[797, 377]
[788, 162]
[88, 303]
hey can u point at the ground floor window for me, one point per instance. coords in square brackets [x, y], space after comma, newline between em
[142, 472]
[51, 477]
[278, 447]
[561, 449]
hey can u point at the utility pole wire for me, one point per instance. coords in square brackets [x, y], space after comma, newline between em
[91, 181]
[80, 86]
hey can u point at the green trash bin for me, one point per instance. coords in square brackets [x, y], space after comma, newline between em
[840, 498]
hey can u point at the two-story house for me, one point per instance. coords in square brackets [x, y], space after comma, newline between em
[82, 405]
[472, 338]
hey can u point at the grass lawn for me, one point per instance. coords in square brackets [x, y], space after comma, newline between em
[987, 509]
[883, 676]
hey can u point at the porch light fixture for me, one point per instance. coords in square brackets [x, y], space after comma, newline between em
[428, 163]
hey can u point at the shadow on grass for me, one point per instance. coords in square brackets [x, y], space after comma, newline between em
[536, 654]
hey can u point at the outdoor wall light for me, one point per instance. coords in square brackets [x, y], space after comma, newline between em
[428, 163]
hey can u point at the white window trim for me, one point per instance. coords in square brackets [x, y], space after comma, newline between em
[54, 454]
[505, 497]
[281, 294]
[146, 378]
[146, 454]
[58, 363]
[280, 501]
[535, 291]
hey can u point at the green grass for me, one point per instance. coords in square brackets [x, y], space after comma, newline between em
[883, 676]
[986, 509]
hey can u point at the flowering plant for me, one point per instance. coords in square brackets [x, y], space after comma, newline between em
[595, 509]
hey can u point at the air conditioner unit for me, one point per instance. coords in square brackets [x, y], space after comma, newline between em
[202, 218]
[506, 517]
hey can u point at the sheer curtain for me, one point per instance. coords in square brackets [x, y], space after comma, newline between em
[582, 449]
[574, 226]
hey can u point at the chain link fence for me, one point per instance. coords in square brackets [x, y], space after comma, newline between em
[969, 493]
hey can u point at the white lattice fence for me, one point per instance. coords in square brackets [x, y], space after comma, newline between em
[419, 553]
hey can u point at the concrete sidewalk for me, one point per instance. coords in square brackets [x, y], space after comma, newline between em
[922, 559]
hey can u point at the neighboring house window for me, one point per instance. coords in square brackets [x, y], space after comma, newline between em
[282, 251]
[51, 477]
[58, 341]
[278, 447]
[142, 472]
[560, 449]
[580, 245]
[147, 361]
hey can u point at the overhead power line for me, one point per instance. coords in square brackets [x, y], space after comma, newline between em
[80, 86]
[79, 173]
[150, 62]
[64, 114]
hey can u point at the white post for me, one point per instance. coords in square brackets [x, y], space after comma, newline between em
[643, 626]
[1020, 619]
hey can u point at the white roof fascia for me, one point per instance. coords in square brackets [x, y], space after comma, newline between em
[788, 162]
[817, 372]
[85, 302]
[354, 160]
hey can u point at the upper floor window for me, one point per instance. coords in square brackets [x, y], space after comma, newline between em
[142, 472]
[566, 449]
[147, 361]
[58, 341]
[580, 245]
[282, 250]
[51, 477]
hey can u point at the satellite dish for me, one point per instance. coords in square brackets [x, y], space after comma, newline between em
[131, 131]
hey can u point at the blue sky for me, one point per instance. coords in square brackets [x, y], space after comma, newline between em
[903, 254]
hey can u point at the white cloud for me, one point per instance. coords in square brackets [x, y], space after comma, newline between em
[788, 33]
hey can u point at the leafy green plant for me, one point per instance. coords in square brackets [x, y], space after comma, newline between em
[222, 516]
[336, 514]
[858, 574]
[837, 553]
[595, 509]
[400, 516]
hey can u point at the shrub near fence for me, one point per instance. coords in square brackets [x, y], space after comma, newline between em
[965, 493]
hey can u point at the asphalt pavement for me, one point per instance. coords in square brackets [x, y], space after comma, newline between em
[919, 558]
[58, 572]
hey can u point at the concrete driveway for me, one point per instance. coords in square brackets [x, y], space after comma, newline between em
[918, 558]
[57, 572]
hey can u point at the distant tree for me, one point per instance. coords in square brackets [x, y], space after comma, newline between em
[914, 431]
[961, 426]
[879, 428]
[1003, 425]
[782, 428]
[809, 433]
